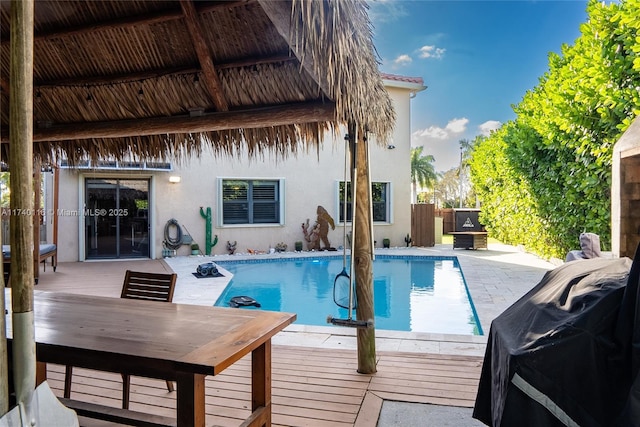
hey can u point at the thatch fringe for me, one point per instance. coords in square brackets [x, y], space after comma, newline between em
[338, 36]
[279, 141]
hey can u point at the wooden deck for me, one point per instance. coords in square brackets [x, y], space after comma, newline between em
[311, 387]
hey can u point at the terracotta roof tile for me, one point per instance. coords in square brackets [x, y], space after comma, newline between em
[398, 78]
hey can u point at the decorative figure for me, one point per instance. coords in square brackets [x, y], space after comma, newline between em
[319, 232]
[324, 220]
[311, 236]
[231, 247]
[209, 243]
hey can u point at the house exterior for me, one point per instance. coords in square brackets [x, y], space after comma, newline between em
[119, 210]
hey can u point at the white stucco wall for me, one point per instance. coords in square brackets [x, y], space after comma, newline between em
[310, 180]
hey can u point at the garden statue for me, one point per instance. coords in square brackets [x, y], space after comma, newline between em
[231, 247]
[311, 236]
[319, 232]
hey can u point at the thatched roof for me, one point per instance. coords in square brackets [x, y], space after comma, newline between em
[160, 78]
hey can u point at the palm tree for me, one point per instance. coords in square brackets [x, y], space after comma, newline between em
[423, 172]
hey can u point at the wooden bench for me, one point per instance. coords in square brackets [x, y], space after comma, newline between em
[46, 250]
[469, 239]
[117, 415]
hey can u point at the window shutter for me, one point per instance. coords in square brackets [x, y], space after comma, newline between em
[265, 202]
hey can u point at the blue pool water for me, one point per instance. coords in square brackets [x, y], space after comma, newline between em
[419, 294]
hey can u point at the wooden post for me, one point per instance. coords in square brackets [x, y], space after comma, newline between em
[4, 364]
[37, 216]
[56, 196]
[362, 259]
[21, 166]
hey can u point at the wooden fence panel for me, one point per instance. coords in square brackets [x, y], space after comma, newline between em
[448, 220]
[423, 225]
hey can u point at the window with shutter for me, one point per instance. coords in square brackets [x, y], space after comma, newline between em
[250, 201]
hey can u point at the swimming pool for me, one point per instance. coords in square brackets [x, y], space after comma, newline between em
[411, 293]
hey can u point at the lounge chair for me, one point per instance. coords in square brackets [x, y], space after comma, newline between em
[46, 250]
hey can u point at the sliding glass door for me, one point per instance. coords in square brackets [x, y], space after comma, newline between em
[116, 218]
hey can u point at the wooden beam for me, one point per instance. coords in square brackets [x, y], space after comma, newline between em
[210, 75]
[154, 74]
[122, 78]
[247, 119]
[257, 60]
[127, 22]
[132, 21]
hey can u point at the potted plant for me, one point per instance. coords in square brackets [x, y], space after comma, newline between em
[386, 243]
[195, 249]
[298, 246]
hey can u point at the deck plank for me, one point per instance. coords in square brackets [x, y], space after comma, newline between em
[305, 392]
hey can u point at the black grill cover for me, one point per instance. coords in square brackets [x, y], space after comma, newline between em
[568, 352]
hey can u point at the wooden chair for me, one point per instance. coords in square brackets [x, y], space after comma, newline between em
[143, 286]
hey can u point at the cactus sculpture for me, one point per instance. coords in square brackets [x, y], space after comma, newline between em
[209, 243]
[408, 240]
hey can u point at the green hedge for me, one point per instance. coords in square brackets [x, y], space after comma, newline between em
[546, 176]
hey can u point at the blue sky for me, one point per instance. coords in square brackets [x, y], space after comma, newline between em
[477, 58]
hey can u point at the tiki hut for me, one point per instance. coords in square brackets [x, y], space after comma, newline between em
[165, 79]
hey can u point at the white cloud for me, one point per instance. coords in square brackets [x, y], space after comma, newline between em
[452, 128]
[432, 52]
[432, 132]
[402, 60]
[457, 125]
[489, 126]
[442, 142]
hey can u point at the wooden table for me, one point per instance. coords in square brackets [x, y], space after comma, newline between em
[178, 342]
